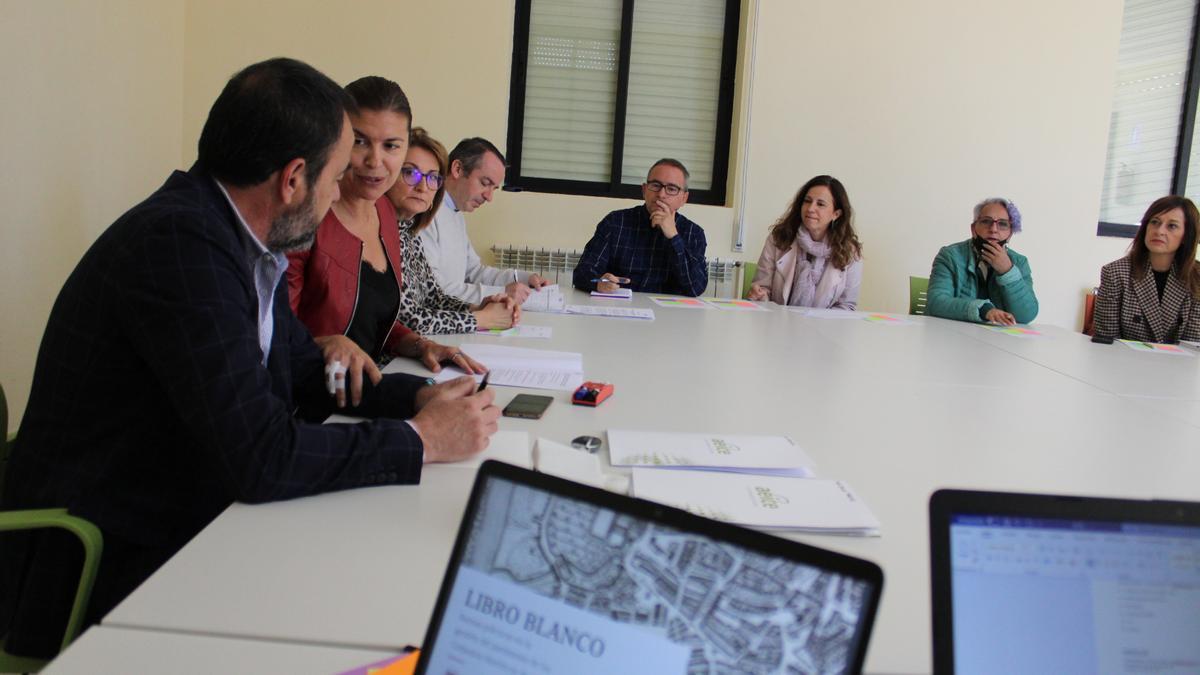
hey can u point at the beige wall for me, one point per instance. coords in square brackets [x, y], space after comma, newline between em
[91, 109]
[922, 107]
[455, 72]
[456, 89]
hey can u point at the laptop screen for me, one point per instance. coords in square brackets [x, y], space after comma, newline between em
[545, 582]
[1055, 595]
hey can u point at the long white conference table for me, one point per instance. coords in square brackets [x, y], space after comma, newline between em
[897, 410]
[123, 651]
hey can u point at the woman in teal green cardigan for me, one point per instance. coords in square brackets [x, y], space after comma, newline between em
[981, 279]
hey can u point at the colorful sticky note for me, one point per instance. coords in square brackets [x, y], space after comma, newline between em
[666, 301]
[720, 303]
[1155, 347]
[887, 319]
[396, 665]
[1014, 330]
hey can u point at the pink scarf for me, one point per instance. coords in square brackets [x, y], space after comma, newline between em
[815, 283]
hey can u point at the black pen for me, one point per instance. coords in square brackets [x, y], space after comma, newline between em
[483, 382]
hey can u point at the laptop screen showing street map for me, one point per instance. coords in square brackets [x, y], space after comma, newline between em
[548, 576]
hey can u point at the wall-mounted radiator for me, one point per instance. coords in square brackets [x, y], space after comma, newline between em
[724, 276]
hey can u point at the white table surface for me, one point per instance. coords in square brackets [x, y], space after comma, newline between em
[122, 651]
[1182, 410]
[1113, 368]
[896, 411]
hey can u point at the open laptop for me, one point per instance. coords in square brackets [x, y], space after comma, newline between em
[1049, 584]
[550, 576]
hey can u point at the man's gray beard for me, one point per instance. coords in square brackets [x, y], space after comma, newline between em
[294, 230]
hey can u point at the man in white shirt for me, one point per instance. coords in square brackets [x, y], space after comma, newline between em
[476, 171]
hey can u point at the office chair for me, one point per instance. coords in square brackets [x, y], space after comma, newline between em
[1089, 312]
[918, 287]
[749, 269]
[34, 519]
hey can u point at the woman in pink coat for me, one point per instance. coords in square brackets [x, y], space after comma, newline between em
[812, 257]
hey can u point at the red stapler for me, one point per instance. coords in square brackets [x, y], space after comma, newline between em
[592, 393]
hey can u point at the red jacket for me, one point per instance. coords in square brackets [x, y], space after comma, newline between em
[323, 281]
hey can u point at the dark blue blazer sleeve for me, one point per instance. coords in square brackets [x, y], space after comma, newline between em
[190, 314]
[689, 265]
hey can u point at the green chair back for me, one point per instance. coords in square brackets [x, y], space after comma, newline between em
[918, 288]
[749, 269]
[88, 534]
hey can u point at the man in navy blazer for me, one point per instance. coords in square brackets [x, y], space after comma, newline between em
[173, 379]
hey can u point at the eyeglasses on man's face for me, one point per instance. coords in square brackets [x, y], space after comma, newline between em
[412, 177]
[671, 189]
[986, 223]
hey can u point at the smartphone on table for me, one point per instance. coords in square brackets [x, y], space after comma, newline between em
[527, 406]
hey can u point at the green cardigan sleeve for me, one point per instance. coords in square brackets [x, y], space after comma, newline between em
[944, 283]
[1016, 287]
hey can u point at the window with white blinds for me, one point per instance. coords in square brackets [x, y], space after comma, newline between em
[674, 84]
[571, 89]
[1150, 104]
[602, 89]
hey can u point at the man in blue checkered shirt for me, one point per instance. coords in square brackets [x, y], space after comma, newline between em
[648, 248]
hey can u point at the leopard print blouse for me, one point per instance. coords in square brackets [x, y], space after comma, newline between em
[424, 306]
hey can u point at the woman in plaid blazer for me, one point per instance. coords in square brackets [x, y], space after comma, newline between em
[1153, 293]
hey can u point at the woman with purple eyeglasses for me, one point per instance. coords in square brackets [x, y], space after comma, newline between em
[424, 306]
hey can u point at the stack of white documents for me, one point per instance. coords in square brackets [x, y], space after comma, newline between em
[770, 502]
[519, 367]
[620, 293]
[545, 299]
[722, 452]
[614, 312]
[756, 481]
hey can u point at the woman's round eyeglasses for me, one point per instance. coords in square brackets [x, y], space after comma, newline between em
[413, 176]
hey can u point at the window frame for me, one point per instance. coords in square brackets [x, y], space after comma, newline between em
[715, 195]
[1183, 144]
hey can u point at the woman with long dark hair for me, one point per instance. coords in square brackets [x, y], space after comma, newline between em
[1153, 292]
[812, 257]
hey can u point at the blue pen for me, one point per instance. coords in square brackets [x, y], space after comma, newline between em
[618, 280]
